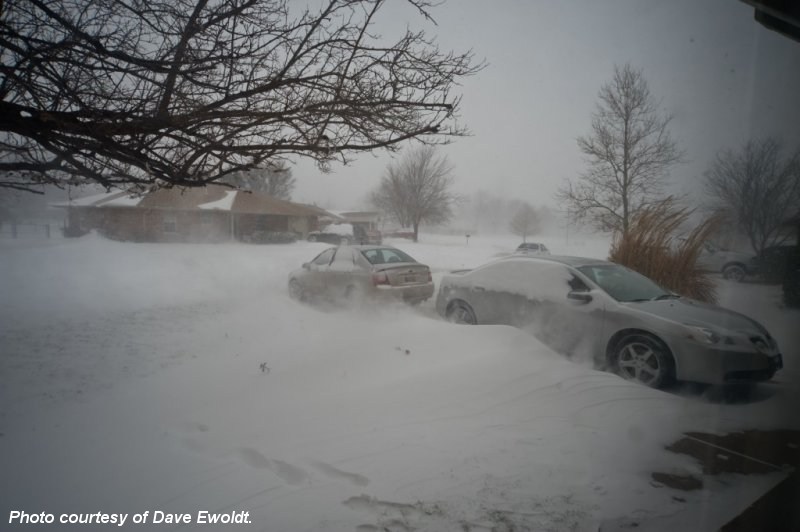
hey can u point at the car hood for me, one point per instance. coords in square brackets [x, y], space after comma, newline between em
[699, 314]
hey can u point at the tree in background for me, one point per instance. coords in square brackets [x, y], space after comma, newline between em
[756, 188]
[277, 181]
[525, 221]
[485, 212]
[629, 152]
[186, 92]
[416, 189]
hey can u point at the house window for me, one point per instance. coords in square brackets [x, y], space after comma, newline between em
[170, 223]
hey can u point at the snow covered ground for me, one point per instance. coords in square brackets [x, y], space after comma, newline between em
[179, 378]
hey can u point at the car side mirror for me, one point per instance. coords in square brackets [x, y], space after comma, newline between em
[583, 297]
[306, 265]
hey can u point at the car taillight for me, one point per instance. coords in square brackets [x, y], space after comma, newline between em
[380, 278]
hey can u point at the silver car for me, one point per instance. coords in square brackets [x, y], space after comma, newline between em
[620, 319]
[347, 273]
[532, 248]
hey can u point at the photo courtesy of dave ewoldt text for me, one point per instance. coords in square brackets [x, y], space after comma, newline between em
[156, 517]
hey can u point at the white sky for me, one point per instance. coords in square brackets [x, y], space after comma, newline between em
[723, 76]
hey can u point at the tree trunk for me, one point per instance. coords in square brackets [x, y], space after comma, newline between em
[416, 231]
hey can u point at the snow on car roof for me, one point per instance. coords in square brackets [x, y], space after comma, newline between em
[563, 259]
[338, 229]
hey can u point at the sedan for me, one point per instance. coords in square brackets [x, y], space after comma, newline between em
[533, 248]
[614, 317]
[347, 273]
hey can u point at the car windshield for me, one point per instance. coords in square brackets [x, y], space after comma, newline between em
[386, 255]
[623, 284]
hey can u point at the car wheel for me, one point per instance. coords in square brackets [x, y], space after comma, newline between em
[344, 241]
[312, 238]
[734, 272]
[296, 290]
[644, 359]
[461, 313]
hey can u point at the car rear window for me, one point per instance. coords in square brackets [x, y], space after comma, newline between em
[386, 256]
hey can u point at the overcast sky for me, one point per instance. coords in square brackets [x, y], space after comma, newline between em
[722, 75]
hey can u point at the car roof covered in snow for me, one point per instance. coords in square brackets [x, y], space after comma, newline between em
[575, 262]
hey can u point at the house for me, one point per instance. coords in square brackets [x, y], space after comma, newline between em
[368, 220]
[210, 214]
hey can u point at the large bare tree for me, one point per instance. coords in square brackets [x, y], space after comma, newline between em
[185, 92]
[629, 152]
[417, 189]
[757, 188]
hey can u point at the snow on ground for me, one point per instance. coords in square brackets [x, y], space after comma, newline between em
[182, 378]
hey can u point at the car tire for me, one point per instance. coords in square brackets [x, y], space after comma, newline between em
[461, 313]
[734, 272]
[344, 241]
[644, 359]
[312, 238]
[296, 290]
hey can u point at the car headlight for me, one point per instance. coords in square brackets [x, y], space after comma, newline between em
[704, 335]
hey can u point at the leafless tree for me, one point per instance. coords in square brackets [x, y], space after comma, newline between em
[416, 189]
[629, 152]
[275, 180]
[150, 93]
[757, 187]
[525, 221]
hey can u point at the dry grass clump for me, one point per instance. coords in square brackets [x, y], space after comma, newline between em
[651, 248]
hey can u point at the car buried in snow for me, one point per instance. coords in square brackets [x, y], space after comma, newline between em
[362, 272]
[613, 316]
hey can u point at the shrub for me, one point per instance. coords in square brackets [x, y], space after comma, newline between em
[651, 248]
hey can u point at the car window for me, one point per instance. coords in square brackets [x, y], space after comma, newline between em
[534, 279]
[576, 284]
[621, 283]
[324, 258]
[386, 256]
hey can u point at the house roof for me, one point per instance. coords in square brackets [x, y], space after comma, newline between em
[114, 198]
[211, 197]
[359, 216]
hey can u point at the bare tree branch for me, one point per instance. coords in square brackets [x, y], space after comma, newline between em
[757, 188]
[185, 92]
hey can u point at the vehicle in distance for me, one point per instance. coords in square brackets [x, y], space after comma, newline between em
[350, 273]
[532, 248]
[733, 265]
[618, 318]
